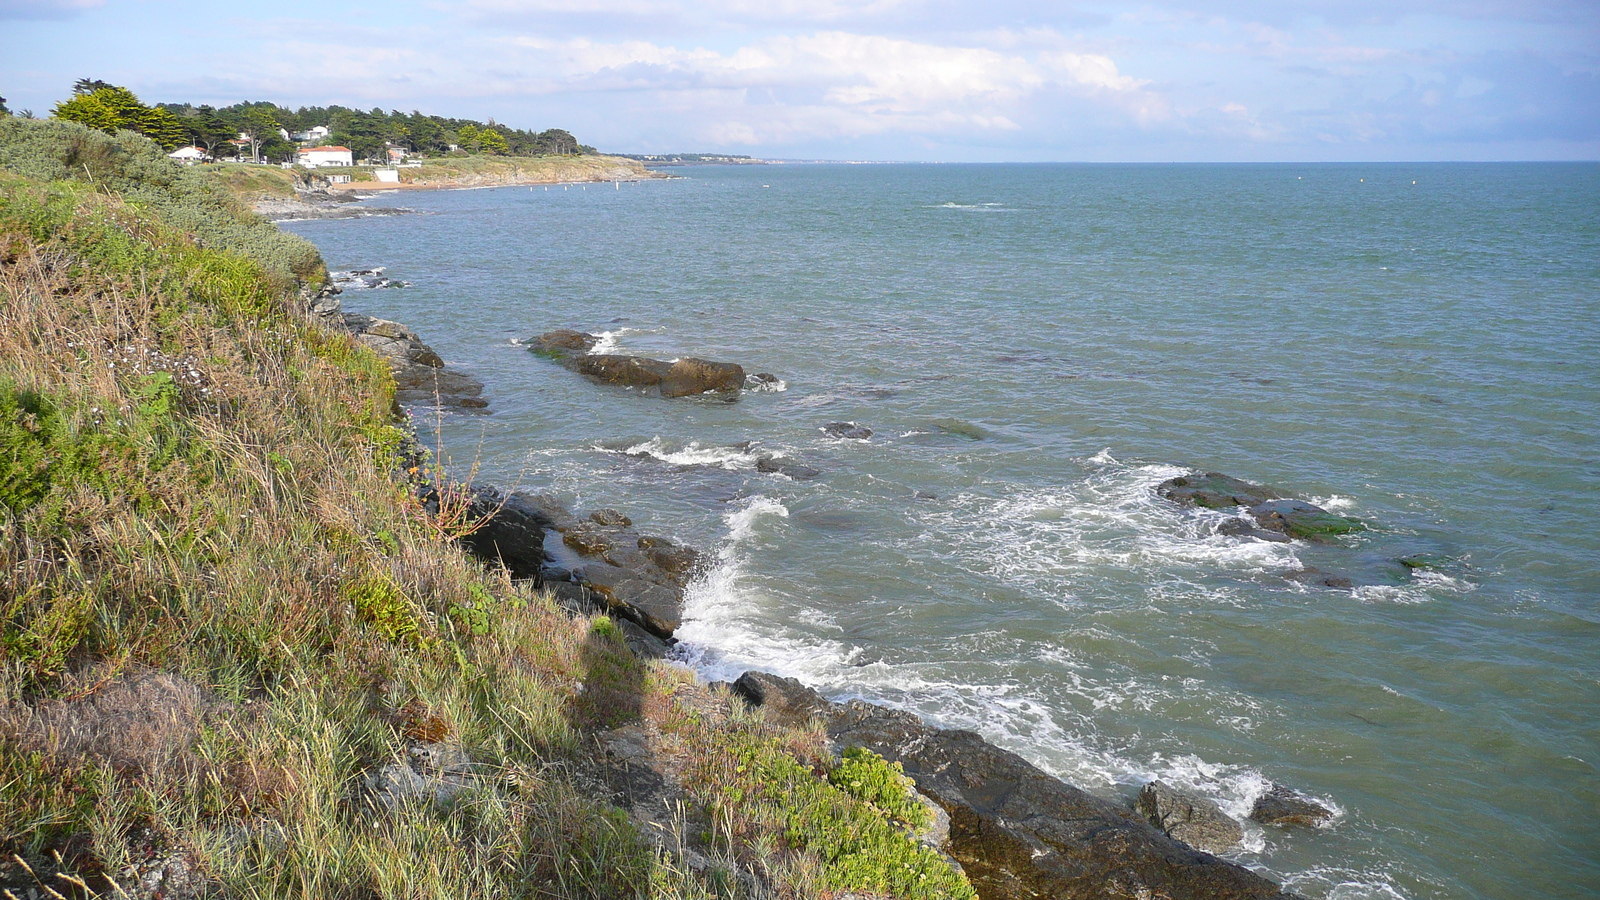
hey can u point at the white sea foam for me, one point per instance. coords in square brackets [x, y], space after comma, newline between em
[691, 454]
[609, 341]
[724, 632]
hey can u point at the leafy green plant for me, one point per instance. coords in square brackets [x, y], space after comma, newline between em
[869, 777]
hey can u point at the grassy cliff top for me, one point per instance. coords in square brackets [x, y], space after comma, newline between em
[239, 657]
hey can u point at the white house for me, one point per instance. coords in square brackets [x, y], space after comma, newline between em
[315, 157]
[188, 155]
[312, 135]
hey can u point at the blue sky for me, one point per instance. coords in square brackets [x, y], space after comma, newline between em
[938, 80]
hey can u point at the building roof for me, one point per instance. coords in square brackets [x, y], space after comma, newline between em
[323, 150]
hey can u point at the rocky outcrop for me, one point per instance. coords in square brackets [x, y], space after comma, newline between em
[776, 465]
[1016, 831]
[1275, 516]
[1189, 818]
[509, 530]
[1282, 806]
[684, 377]
[420, 375]
[1020, 833]
[1314, 576]
[847, 430]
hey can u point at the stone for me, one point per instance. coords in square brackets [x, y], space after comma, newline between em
[773, 465]
[563, 343]
[623, 371]
[656, 607]
[1282, 806]
[784, 700]
[1189, 818]
[689, 376]
[847, 430]
[1214, 490]
[1020, 833]
[588, 540]
[676, 560]
[610, 518]
[643, 644]
[1315, 576]
[1272, 512]
[420, 375]
[436, 774]
[511, 533]
[1300, 519]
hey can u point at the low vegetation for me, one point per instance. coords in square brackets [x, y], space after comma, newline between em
[238, 657]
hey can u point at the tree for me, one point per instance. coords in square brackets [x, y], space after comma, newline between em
[3, 110]
[492, 141]
[111, 109]
[85, 86]
[259, 124]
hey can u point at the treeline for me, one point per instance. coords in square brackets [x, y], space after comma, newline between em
[110, 108]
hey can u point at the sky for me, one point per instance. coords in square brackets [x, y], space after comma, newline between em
[913, 80]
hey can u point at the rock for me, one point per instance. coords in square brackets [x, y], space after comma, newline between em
[673, 558]
[511, 533]
[681, 378]
[773, 465]
[766, 378]
[1240, 527]
[610, 518]
[624, 371]
[391, 340]
[1215, 490]
[925, 495]
[1186, 817]
[420, 375]
[1282, 806]
[784, 700]
[643, 644]
[690, 376]
[849, 430]
[1272, 512]
[1300, 519]
[1315, 576]
[1423, 561]
[588, 540]
[437, 774]
[657, 607]
[563, 343]
[1019, 833]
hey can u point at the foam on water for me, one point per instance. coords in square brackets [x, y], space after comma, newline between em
[724, 634]
[690, 454]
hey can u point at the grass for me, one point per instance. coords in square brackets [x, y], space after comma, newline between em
[228, 624]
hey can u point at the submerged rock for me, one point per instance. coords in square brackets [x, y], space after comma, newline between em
[849, 430]
[773, 465]
[1271, 511]
[1282, 806]
[1315, 576]
[1189, 818]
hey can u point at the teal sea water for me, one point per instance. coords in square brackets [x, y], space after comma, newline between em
[1035, 349]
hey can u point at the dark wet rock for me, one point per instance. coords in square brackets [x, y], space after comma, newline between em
[576, 598]
[675, 559]
[643, 644]
[628, 593]
[690, 376]
[563, 343]
[1215, 490]
[1315, 576]
[553, 514]
[1189, 818]
[588, 540]
[1282, 806]
[610, 518]
[1273, 513]
[961, 428]
[764, 378]
[773, 465]
[1300, 519]
[681, 378]
[1020, 833]
[926, 495]
[785, 700]
[420, 375]
[1423, 561]
[1239, 527]
[511, 531]
[849, 430]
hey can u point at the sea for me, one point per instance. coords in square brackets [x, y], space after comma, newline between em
[1035, 348]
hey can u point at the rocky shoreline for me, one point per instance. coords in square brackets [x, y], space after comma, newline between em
[1015, 830]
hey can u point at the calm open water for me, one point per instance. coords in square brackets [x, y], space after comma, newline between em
[1037, 347]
